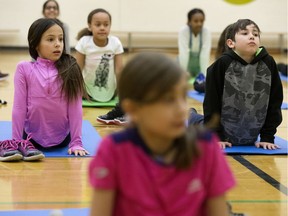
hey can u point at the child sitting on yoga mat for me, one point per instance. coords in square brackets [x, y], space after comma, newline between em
[157, 166]
[243, 87]
[47, 109]
[99, 55]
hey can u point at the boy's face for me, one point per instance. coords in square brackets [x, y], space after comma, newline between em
[246, 42]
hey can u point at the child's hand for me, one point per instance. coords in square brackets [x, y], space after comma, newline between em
[266, 145]
[78, 151]
[224, 144]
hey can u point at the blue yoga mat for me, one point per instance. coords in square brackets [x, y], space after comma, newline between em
[283, 78]
[196, 95]
[252, 150]
[200, 97]
[248, 149]
[90, 139]
[65, 212]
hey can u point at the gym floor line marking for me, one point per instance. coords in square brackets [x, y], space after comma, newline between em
[42, 203]
[269, 179]
[61, 203]
[258, 201]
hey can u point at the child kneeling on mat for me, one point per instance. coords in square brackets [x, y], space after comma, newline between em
[47, 109]
[194, 44]
[99, 55]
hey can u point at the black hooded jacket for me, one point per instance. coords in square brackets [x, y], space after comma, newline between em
[246, 96]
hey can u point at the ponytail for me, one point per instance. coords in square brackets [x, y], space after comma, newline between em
[83, 32]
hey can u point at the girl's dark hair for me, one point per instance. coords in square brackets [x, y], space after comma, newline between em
[68, 69]
[145, 79]
[241, 24]
[45, 4]
[222, 46]
[86, 31]
[194, 11]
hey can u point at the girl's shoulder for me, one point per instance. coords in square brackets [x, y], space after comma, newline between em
[65, 26]
[114, 39]
[118, 143]
[205, 30]
[25, 64]
[184, 29]
[86, 38]
[24, 68]
[125, 137]
[115, 44]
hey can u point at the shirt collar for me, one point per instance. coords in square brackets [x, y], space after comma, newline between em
[46, 62]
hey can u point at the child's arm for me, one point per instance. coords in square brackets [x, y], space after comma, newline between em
[80, 58]
[183, 46]
[274, 115]
[217, 206]
[205, 51]
[118, 64]
[102, 202]
[20, 100]
[75, 124]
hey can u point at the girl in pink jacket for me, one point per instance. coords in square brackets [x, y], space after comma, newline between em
[47, 109]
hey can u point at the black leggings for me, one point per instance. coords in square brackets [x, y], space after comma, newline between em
[64, 143]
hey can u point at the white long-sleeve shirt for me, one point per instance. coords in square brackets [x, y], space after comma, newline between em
[183, 47]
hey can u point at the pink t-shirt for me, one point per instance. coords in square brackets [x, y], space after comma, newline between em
[145, 187]
[39, 107]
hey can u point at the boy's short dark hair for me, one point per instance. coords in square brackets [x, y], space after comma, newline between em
[241, 24]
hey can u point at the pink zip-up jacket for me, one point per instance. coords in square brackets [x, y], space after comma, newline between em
[41, 110]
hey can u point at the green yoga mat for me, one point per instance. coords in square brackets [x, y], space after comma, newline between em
[191, 80]
[92, 103]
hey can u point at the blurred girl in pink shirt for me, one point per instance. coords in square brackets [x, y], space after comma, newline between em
[156, 166]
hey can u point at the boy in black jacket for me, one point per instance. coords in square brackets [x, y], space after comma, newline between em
[243, 87]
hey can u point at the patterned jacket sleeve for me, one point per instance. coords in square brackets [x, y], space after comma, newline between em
[274, 115]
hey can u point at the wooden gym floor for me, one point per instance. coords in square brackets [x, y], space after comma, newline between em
[62, 182]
